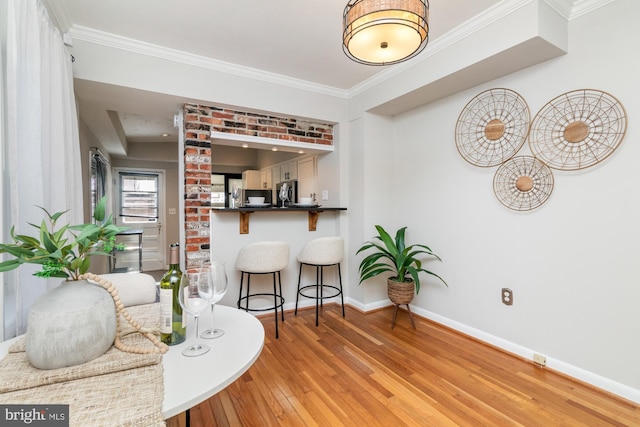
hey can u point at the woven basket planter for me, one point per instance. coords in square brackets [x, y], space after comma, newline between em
[401, 292]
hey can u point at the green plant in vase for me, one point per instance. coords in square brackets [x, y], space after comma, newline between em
[76, 321]
[392, 255]
[63, 252]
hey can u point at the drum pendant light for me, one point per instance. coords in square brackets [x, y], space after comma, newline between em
[385, 32]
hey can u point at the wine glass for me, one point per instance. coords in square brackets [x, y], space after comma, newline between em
[235, 193]
[284, 193]
[219, 283]
[194, 303]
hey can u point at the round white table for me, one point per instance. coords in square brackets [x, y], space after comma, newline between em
[189, 381]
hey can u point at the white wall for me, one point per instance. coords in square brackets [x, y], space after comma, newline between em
[290, 226]
[571, 263]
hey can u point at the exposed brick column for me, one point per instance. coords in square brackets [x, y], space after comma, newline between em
[197, 184]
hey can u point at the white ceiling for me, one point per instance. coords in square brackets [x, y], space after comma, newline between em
[298, 40]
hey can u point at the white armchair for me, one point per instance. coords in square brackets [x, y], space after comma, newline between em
[133, 288]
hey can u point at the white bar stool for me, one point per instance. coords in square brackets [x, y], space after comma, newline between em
[263, 258]
[320, 253]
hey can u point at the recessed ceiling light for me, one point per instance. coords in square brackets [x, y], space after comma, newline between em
[300, 152]
[245, 145]
[274, 149]
[165, 135]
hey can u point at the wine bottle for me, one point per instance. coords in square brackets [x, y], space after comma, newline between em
[173, 327]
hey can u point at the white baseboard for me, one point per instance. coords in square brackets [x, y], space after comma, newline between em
[580, 374]
[367, 307]
[591, 378]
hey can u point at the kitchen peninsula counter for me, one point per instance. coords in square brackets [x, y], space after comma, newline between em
[290, 225]
[244, 212]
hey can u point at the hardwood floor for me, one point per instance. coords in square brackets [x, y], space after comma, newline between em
[357, 371]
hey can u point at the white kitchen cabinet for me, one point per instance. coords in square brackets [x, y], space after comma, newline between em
[284, 172]
[292, 172]
[306, 173]
[266, 179]
[288, 170]
[276, 175]
[251, 180]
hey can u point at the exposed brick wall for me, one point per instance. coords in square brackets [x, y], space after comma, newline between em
[267, 126]
[199, 122]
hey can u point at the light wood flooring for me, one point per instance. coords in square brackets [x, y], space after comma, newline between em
[357, 371]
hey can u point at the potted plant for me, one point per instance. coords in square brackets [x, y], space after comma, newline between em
[60, 320]
[393, 256]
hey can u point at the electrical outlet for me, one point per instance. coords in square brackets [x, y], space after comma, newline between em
[539, 359]
[507, 296]
[325, 194]
[172, 211]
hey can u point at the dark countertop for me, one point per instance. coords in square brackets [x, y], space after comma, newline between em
[278, 209]
[245, 212]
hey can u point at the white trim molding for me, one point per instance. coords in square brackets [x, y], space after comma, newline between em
[580, 374]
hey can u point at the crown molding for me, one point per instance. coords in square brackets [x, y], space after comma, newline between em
[464, 30]
[572, 9]
[569, 9]
[118, 42]
[581, 7]
[563, 7]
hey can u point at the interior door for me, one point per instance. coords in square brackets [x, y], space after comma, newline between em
[140, 204]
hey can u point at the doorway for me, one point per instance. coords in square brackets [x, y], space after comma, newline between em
[140, 200]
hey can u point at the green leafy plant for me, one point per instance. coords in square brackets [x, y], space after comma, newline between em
[392, 255]
[63, 252]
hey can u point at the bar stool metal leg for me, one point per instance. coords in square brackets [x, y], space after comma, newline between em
[282, 304]
[341, 294]
[240, 294]
[268, 257]
[275, 301]
[319, 287]
[320, 253]
[298, 291]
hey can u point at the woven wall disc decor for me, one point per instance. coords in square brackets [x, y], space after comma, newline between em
[523, 183]
[578, 129]
[492, 127]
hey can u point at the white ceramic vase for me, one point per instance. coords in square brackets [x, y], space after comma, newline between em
[70, 325]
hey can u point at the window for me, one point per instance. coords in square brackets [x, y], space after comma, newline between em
[138, 197]
[98, 178]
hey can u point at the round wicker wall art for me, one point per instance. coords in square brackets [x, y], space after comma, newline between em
[523, 183]
[492, 127]
[578, 129]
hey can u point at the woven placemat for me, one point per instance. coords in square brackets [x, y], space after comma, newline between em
[117, 388]
[125, 398]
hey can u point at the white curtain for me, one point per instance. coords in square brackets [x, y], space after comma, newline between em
[5, 313]
[42, 135]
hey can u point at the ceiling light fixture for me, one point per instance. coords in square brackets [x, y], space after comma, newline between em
[385, 32]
